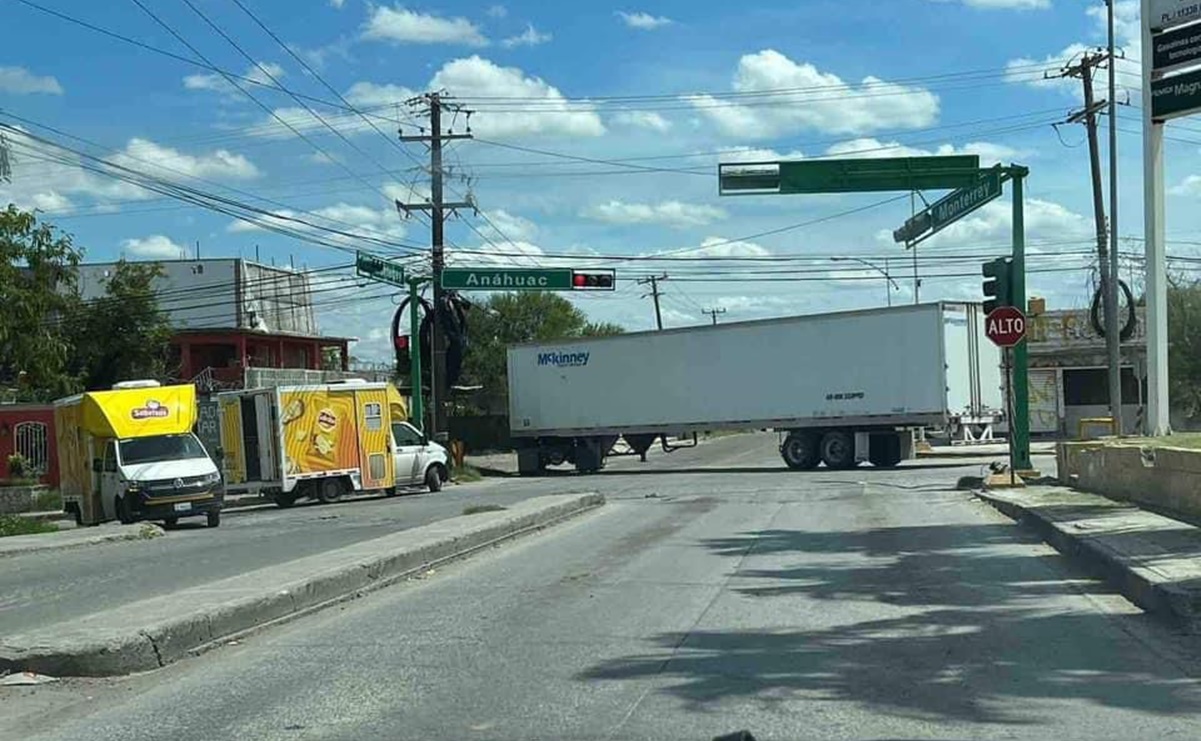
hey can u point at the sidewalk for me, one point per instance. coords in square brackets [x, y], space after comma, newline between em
[1000, 449]
[17, 545]
[1154, 560]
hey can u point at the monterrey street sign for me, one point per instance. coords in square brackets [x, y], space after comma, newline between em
[951, 208]
[507, 279]
[374, 268]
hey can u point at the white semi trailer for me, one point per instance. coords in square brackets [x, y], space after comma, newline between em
[840, 388]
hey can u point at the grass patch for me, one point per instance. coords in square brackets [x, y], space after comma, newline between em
[476, 509]
[465, 474]
[15, 525]
[1190, 440]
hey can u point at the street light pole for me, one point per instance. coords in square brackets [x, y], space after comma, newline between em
[889, 283]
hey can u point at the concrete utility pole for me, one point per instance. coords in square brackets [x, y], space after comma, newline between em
[714, 313]
[1106, 252]
[434, 104]
[1113, 348]
[653, 280]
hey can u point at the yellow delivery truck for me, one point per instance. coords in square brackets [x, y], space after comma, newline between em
[129, 454]
[322, 441]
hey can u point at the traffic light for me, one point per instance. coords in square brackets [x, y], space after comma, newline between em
[593, 280]
[998, 283]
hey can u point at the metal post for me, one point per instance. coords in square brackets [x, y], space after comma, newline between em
[417, 410]
[917, 281]
[887, 282]
[1009, 409]
[1113, 339]
[1020, 428]
[1158, 418]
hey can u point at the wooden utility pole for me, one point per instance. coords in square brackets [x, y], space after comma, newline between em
[434, 104]
[714, 312]
[1088, 116]
[653, 280]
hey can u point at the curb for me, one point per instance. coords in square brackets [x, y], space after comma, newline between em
[146, 635]
[1165, 599]
[41, 543]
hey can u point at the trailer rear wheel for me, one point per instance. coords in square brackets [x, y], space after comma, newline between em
[283, 500]
[838, 450]
[329, 490]
[800, 451]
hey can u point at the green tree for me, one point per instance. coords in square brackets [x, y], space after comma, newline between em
[38, 297]
[1184, 345]
[123, 335]
[513, 318]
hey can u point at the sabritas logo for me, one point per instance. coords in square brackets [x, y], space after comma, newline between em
[152, 410]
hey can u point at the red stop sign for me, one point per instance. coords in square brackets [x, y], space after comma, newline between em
[1005, 326]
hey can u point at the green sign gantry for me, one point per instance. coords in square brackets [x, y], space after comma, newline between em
[507, 279]
[858, 175]
[370, 266]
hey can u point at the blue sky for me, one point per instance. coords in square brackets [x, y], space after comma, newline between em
[693, 83]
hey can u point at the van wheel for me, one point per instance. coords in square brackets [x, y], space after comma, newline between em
[170, 523]
[214, 518]
[433, 479]
[124, 516]
[329, 490]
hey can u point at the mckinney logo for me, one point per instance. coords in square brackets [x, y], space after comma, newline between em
[152, 410]
[563, 359]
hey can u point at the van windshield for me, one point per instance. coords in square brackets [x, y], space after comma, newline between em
[161, 448]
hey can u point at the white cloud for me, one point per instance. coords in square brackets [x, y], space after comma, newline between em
[757, 154]
[260, 72]
[337, 3]
[497, 11]
[642, 120]
[469, 77]
[867, 147]
[674, 214]
[155, 247]
[644, 21]
[1190, 186]
[720, 247]
[1045, 221]
[143, 153]
[511, 226]
[836, 106]
[1128, 36]
[357, 219]
[475, 77]
[20, 81]
[1004, 4]
[530, 37]
[400, 25]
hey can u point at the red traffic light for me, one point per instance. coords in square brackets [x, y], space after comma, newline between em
[402, 342]
[593, 280]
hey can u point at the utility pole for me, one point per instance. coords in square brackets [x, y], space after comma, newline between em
[653, 280]
[1088, 115]
[434, 104]
[714, 312]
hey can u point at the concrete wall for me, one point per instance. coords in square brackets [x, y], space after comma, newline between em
[1158, 477]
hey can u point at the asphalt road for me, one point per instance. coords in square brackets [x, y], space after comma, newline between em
[725, 594]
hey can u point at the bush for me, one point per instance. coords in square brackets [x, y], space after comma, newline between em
[14, 525]
[18, 466]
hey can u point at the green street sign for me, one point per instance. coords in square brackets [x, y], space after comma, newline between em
[873, 175]
[951, 208]
[1175, 96]
[369, 266]
[507, 279]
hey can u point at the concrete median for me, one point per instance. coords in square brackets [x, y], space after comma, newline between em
[147, 634]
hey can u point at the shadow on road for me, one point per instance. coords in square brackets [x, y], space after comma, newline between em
[963, 622]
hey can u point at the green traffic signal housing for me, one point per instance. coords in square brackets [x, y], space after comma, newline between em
[998, 283]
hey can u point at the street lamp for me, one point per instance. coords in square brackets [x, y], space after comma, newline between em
[889, 284]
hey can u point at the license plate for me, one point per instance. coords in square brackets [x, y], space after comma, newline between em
[183, 506]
